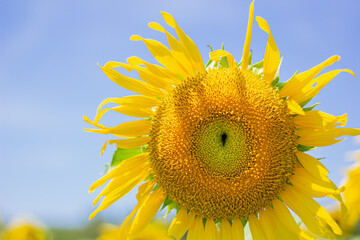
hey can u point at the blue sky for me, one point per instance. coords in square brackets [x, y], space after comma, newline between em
[49, 79]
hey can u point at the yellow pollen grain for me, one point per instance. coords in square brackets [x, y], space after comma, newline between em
[223, 144]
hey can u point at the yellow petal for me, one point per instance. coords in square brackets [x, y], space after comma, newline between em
[272, 55]
[338, 197]
[147, 211]
[133, 84]
[310, 212]
[313, 186]
[86, 119]
[124, 233]
[257, 232]
[142, 195]
[319, 120]
[295, 84]
[127, 129]
[294, 107]
[126, 110]
[274, 227]
[317, 210]
[211, 231]
[313, 87]
[197, 231]
[284, 216]
[132, 101]
[134, 112]
[144, 74]
[177, 49]
[246, 50]
[190, 219]
[310, 221]
[324, 137]
[166, 74]
[226, 230]
[179, 224]
[163, 55]
[237, 230]
[189, 45]
[312, 165]
[133, 179]
[123, 181]
[285, 231]
[123, 168]
[215, 55]
[128, 143]
[267, 226]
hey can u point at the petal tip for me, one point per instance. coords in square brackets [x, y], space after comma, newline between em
[166, 14]
[92, 215]
[169, 19]
[136, 38]
[251, 9]
[351, 72]
[263, 24]
[156, 26]
[337, 57]
[92, 188]
[86, 119]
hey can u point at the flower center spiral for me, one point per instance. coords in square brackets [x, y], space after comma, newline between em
[223, 144]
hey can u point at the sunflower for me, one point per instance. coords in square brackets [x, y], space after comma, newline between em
[223, 145]
[350, 222]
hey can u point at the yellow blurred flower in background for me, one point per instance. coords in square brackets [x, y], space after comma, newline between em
[24, 230]
[349, 222]
[156, 230]
[352, 193]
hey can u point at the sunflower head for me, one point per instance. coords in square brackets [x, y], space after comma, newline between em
[222, 144]
[223, 150]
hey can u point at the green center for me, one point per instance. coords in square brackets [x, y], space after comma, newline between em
[220, 147]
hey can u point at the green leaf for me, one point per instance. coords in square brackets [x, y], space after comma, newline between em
[310, 108]
[303, 148]
[122, 154]
[107, 168]
[305, 102]
[244, 221]
[224, 62]
[250, 57]
[170, 206]
[259, 65]
[166, 202]
[281, 85]
[239, 64]
[208, 63]
[150, 177]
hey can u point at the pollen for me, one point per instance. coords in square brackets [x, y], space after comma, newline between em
[223, 144]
